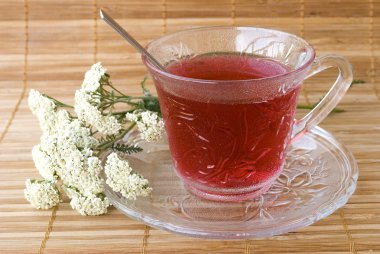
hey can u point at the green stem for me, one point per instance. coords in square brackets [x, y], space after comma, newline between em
[357, 81]
[107, 104]
[304, 106]
[129, 98]
[126, 99]
[108, 144]
[58, 103]
[338, 110]
[143, 83]
[117, 90]
[123, 112]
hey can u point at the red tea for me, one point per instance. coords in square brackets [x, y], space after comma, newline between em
[226, 145]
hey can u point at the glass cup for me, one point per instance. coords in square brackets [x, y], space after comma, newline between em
[228, 138]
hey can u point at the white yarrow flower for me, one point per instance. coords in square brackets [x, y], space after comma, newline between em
[92, 78]
[44, 163]
[67, 153]
[121, 178]
[88, 205]
[41, 194]
[86, 109]
[87, 101]
[133, 117]
[49, 143]
[81, 172]
[149, 124]
[73, 132]
[66, 148]
[44, 108]
[108, 125]
[38, 102]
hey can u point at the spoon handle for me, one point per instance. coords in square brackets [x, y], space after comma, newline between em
[110, 21]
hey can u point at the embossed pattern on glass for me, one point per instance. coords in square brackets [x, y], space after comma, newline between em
[318, 177]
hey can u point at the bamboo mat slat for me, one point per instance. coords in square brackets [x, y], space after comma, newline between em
[48, 45]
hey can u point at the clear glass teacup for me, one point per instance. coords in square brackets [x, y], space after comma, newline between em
[228, 100]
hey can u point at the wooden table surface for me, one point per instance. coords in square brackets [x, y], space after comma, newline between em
[48, 45]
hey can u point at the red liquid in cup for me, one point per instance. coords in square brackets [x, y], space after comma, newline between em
[227, 145]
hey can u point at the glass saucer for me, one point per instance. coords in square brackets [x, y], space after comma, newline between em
[319, 176]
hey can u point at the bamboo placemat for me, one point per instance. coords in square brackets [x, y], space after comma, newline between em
[48, 45]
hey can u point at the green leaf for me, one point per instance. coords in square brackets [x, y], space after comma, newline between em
[357, 81]
[125, 148]
[151, 103]
[108, 138]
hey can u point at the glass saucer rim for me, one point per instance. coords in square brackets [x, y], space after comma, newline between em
[327, 207]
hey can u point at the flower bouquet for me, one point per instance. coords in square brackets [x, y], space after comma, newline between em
[73, 137]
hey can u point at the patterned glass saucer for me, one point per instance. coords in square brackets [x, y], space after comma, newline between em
[319, 176]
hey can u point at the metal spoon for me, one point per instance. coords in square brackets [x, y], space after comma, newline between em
[110, 21]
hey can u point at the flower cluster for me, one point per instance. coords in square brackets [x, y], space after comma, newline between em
[65, 153]
[41, 194]
[121, 178]
[43, 108]
[67, 156]
[88, 205]
[149, 124]
[86, 107]
[89, 98]
[94, 77]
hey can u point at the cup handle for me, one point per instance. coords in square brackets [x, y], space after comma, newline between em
[331, 99]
